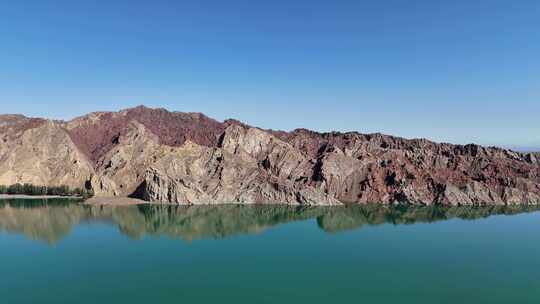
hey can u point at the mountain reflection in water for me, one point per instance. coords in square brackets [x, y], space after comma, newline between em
[53, 219]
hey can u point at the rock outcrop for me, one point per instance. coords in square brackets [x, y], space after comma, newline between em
[188, 158]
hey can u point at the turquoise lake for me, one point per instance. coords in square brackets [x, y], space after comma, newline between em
[57, 251]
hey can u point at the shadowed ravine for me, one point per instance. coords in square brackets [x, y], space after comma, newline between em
[53, 220]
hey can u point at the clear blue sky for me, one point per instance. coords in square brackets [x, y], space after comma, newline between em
[458, 71]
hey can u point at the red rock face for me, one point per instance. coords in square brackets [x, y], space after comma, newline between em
[96, 137]
[397, 169]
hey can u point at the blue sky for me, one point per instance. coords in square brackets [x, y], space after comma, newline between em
[456, 71]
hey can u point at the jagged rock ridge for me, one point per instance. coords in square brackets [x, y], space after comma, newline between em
[188, 158]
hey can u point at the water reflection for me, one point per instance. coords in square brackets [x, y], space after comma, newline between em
[52, 220]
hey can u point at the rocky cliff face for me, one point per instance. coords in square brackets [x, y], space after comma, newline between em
[188, 158]
[40, 152]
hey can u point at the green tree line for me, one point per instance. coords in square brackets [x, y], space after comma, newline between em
[29, 189]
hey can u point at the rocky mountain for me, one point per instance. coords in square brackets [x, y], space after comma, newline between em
[188, 158]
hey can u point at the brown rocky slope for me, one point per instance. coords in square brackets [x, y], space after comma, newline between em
[188, 158]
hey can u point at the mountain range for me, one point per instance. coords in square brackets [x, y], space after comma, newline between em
[189, 158]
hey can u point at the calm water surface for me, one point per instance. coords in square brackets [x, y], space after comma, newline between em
[62, 252]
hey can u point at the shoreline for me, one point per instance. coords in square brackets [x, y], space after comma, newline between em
[128, 201]
[115, 201]
[26, 196]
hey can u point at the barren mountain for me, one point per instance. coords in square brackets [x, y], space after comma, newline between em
[188, 158]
